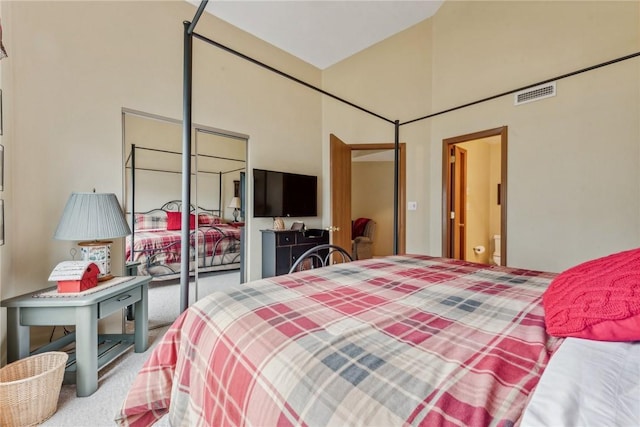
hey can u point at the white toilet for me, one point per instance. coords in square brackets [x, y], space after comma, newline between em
[496, 249]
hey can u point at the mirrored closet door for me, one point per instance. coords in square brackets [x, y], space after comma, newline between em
[152, 147]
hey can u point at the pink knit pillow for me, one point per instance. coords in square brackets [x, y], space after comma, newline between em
[598, 300]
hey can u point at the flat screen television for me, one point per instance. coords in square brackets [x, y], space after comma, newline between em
[284, 194]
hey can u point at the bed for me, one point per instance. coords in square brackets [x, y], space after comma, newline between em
[405, 339]
[155, 243]
[400, 340]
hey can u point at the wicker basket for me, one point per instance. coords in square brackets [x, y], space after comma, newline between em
[30, 387]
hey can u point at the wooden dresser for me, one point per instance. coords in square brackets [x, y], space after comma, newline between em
[281, 248]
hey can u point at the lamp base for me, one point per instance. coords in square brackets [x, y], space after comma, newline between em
[98, 252]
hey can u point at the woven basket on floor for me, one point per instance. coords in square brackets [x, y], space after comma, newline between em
[30, 387]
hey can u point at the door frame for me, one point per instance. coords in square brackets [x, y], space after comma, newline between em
[447, 187]
[335, 172]
[459, 184]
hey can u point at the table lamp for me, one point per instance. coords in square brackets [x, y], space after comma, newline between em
[235, 204]
[91, 218]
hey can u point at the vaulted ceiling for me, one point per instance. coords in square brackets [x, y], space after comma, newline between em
[322, 32]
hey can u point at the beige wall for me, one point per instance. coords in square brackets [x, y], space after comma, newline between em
[571, 196]
[73, 66]
[372, 197]
[393, 79]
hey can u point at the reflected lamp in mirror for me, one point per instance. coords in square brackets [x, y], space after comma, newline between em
[93, 219]
[235, 204]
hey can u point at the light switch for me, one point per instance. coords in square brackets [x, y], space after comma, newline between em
[412, 206]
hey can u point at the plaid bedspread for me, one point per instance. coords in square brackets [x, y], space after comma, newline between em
[162, 247]
[403, 340]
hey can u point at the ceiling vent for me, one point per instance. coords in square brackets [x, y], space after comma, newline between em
[535, 93]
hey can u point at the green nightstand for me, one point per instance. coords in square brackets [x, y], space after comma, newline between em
[46, 307]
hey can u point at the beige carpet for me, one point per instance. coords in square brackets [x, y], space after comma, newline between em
[114, 380]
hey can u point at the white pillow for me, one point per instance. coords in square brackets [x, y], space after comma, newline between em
[588, 383]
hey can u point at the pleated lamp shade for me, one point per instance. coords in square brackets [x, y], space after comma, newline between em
[92, 216]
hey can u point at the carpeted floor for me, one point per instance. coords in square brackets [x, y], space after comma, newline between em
[114, 380]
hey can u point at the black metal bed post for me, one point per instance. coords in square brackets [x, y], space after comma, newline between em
[187, 124]
[133, 199]
[186, 167]
[221, 210]
[396, 180]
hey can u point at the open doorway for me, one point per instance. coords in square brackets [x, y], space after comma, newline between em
[372, 201]
[341, 190]
[474, 205]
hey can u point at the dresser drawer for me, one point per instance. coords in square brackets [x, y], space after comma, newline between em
[315, 239]
[120, 301]
[286, 238]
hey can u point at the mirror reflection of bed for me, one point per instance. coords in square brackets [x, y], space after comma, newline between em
[152, 149]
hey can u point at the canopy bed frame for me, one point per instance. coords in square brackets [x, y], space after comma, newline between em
[399, 340]
[189, 34]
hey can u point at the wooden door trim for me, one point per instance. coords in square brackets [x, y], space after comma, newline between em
[446, 185]
[460, 202]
